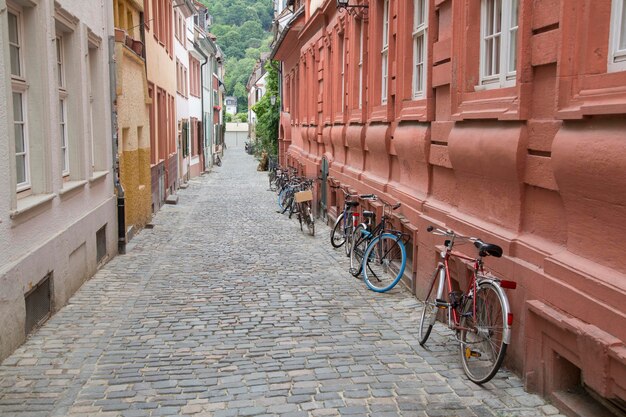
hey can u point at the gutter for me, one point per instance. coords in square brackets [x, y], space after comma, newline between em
[206, 60]
[119, 189]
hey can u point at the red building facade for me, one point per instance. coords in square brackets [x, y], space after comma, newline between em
[501, 119]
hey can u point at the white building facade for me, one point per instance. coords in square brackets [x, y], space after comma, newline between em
[183, 23]
[58, 211]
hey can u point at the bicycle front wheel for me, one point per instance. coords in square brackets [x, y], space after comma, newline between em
[337, 237]
[384, 262]
[483, 345]
[359, 244]
[429, 311]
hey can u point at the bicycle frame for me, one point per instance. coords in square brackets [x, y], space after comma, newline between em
[477, 277]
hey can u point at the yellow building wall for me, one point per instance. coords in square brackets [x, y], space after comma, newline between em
[126, 16]
[133, 121]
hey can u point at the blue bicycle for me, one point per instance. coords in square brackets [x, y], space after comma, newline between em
[378, 252]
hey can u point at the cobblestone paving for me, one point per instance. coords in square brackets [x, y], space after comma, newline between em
[226, 309]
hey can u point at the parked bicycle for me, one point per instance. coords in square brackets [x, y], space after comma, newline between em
[480, 316]
[342, 232]
[377, 251]
[302, 201]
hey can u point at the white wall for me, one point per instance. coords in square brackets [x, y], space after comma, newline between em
[46, 231]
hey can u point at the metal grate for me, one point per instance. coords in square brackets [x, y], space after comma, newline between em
[38, 304]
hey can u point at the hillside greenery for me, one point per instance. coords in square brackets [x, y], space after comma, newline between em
[242, 29]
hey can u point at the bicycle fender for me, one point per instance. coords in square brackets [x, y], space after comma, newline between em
[484, 280]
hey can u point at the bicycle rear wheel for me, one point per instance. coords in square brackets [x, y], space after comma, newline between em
[337, 236]
[483, 348]
[359, 244]
[429, 311]
[385, 260]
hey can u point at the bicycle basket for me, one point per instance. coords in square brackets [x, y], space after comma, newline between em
[302, 196]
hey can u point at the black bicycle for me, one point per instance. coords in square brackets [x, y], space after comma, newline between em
[343, 230]
[378, 252]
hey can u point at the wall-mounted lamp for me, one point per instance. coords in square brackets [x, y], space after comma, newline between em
[273, 100]
[343, 4]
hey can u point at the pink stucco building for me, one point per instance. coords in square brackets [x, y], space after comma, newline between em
[502, 119]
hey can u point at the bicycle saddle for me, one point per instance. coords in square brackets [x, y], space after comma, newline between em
[369, 214]
[352, 203]
[485, 249]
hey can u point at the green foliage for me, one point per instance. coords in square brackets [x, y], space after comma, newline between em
[241, 118]
[242, 30]
[268, 115]
[228, 117]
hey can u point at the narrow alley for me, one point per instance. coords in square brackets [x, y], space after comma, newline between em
[225, 308]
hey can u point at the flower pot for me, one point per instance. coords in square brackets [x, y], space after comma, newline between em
[138, 47]
[129, 41]
[120, 35]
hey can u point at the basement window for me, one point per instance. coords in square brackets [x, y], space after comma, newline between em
[38, 304]
[101, 244]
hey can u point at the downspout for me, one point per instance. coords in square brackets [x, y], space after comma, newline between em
[119, 189]
[206, 60]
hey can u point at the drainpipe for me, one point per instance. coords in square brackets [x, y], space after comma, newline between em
[119, 190]
[206, 60]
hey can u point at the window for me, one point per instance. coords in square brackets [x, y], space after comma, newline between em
[15, 39]
[499, 22]
[420, 24]
[385, 54]
[194, 76]
[21, 142]
[65, 158]
[617, 54]
[18, 82]
[146, 14]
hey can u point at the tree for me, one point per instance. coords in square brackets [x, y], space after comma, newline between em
[242, 30]
[268, 114]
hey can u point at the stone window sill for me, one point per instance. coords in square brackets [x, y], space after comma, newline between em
[97, 175]
[31, 202]
[70, 186]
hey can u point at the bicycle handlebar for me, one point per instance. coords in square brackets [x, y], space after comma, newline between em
[450, 233]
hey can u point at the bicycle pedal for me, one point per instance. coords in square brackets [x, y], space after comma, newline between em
[469, 353]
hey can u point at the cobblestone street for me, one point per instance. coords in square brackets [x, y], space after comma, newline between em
[225, 308]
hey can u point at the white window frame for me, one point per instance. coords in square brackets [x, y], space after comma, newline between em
[26, 184]
[361, 36]
[65, 157]
[420, 32]
[617, 55]
[18, 45]
[64, 143]
[20, 86]
[505, 74]
[384, 55]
